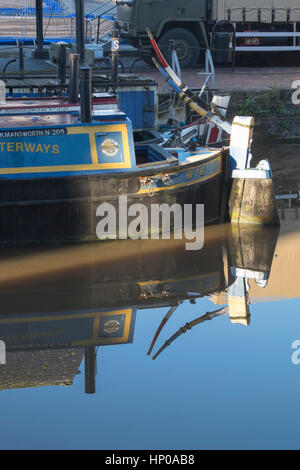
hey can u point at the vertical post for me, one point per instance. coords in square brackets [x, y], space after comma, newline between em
[98, 29]
[72, 38]
[62, 64]
[115, 54]
[174, 58]
[74, 76]
[240, 142]
[172, 49]
[3, 92]
[238, 302]
[40, 52]
[86, 93]
[90, 363]
[21, 60]
[39, 23]
[2, 352]
[88, 30]
[80, 30]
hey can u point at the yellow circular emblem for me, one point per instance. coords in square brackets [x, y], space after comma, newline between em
[111, 326]
[110, 147]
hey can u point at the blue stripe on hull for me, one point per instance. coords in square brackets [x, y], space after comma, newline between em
[70, 150]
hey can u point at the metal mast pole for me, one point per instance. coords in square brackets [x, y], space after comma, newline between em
[40, 52]
[80, 30]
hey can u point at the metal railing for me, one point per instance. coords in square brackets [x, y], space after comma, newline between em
[288, 197]
[102, 9]
[20, 23]
[210, 74]
[101, 20]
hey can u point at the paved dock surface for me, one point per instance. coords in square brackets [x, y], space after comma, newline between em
[241, 79]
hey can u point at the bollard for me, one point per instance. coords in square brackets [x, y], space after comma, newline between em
[252, 198]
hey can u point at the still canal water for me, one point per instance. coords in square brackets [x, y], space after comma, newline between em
[229, 378]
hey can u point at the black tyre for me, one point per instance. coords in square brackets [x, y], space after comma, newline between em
[185, 43]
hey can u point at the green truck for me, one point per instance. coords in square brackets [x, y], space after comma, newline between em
[247, 25]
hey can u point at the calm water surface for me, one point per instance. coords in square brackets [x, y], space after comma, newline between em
[223, 320]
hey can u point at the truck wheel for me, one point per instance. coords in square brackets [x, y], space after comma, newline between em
[185, 43]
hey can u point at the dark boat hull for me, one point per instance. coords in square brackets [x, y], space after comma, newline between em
[64, 209]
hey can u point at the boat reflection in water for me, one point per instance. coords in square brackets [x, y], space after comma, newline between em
[58, 306]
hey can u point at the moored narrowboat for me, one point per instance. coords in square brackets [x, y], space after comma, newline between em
[56, 170]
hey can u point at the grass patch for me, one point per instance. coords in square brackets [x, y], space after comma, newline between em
[274, 102]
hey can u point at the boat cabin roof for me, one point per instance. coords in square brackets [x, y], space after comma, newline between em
[53, 120]
[98, 98]
[101, 101]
